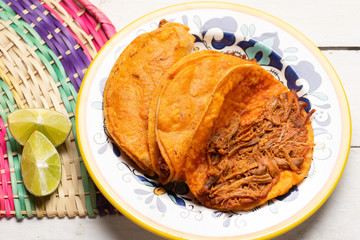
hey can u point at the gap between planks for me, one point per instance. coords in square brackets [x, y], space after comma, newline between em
[341, 48]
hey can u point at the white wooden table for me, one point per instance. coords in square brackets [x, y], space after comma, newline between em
[333, 26]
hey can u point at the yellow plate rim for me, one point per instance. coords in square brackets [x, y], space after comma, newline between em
[343, 102]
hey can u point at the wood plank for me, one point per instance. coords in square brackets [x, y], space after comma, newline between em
[114, 227]
[325, 22]
[346, 64]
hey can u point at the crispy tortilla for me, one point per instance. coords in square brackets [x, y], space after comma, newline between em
[178, 106]
[253, 143]
[132, 82]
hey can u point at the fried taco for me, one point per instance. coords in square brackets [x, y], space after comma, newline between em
[132, 82]
[254, 142]
[178, 106]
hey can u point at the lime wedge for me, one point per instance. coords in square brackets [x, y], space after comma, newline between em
[54, 125]
[40, 165]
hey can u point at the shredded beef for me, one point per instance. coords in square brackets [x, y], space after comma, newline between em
[164, 169]
[246, 160]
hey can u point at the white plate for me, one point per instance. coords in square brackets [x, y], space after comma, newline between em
[169, 210]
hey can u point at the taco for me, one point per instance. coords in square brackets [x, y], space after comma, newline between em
[132, 82]
[179, 104]
[254, 142]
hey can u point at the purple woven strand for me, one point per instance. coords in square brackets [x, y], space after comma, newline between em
[19, 10]
[69, 41]
[60, 44]
[78, 55]
[67, 37]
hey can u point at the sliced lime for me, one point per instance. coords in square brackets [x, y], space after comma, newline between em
[40, 165]
[54, 125]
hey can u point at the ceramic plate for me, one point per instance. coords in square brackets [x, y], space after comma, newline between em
[170, 210]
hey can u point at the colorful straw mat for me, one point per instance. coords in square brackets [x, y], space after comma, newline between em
[45, 49]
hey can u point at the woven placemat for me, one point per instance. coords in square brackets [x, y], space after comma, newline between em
[36, 88]
[35, 93]
[35, 72]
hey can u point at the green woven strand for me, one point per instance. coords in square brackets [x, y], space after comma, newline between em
[2, 101]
